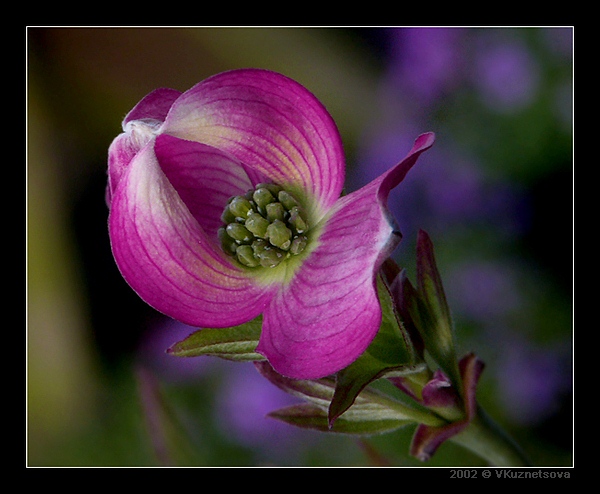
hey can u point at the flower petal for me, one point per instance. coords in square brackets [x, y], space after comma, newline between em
[329, 313]
[153, 106]
[123, 149]
[203, 176]
[168, 259]
[139, 127]
[269, 123]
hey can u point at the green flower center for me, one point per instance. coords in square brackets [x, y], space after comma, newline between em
[264, 227]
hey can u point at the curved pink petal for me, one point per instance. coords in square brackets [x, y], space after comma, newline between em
[168, 259]
[139, 127]
[153, 106]
[271, 124]
[329, 313]
[203, 176]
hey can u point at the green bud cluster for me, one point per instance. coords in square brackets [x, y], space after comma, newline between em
[263, 227]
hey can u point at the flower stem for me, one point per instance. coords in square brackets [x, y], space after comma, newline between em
[486, 439]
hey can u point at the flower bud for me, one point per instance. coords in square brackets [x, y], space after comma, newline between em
[279, 235]
[240, 207]
[287, 200]
[297, 221]
[262, 197]
[239, 233]
[270, 257]
[275, 211]
[298, 244]
[245, 255]
[227, 243]
[257, 224]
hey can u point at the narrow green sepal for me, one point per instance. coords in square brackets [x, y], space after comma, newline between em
[235, 343]
[368, 407]
[359, 422]
[430, 308]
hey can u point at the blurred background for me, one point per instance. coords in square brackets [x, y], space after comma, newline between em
[495, 194]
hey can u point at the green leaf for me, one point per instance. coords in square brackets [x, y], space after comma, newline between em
[317, 391]
[390, 351]
[365, 421]
[431, 309]
[235, 343]
[368, 407]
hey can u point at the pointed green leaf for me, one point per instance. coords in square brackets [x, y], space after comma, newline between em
[435, 320]
[236, 343]
[304, 415]
[370, 405]
[318, 391]
[363, 422]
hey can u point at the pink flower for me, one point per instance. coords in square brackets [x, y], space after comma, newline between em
[307, 264]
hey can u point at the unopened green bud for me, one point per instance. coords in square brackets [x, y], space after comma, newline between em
[297, 221]
[263, 227]
[259, 245]
[240, 206]
[245, 255]
[227, 216]
[272, 188]
[227, 243]
[270, 257]
[239, 233]
[298, 244]
[279, 235]
[275, 211]
[257, 224]
[287, 200]
[262, 197]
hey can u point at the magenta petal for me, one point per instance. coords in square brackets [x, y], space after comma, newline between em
[427, 439]
[327, 316]
[167, 258]
[329, 313]
[154, 106]
[439, 392]
[139, 126]
[271, 124]
[203, 176]
[393, 177]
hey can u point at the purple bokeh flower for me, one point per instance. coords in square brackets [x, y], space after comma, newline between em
[243, 402]
[506, 75]
[425, 62]
[487, 290]
[455, 194]
[532, 380]
[152, 354]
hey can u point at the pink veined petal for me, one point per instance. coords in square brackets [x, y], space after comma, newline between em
[329, 313]
[139, 126]
[271, 124]
[166, 257]
[203, 176]
[153, 106]
[124, 148]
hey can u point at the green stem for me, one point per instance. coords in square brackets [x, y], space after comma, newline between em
[416, 413]
[486, 439]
